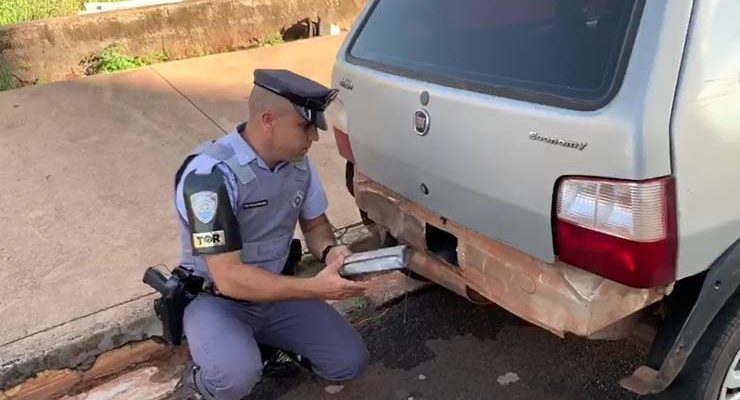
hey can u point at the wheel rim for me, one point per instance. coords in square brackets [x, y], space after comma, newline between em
[731, 385]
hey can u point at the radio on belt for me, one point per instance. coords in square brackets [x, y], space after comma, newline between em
[386, 259]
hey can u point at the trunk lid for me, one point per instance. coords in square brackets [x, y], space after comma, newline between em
[498, 137]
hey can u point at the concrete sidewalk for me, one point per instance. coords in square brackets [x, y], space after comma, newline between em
[87, 170]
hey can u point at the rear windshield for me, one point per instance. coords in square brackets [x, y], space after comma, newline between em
[550, 51]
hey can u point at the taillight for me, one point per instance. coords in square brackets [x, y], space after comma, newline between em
[336, 116]
[624, 231]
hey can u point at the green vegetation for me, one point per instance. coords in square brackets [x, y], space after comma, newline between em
[115, 58]
[15, 11]
[359, 305]
[270, 40]
[7, 80]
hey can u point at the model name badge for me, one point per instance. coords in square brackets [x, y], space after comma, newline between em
[347, 84]
[556, 141]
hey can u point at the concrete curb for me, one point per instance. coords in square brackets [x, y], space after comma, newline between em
[76, 344]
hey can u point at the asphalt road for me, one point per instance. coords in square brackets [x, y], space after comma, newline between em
[448, 349]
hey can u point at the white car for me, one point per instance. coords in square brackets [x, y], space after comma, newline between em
[575, 161]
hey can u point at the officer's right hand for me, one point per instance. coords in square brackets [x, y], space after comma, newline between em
[329, 285]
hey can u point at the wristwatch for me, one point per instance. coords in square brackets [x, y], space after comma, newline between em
[326, 252]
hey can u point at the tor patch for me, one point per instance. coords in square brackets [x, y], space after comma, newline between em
[204, 206]
[208, 239]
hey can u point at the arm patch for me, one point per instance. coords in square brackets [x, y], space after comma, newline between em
[211, 220]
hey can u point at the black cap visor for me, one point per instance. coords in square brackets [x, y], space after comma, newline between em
[316, 118]
[310, 108]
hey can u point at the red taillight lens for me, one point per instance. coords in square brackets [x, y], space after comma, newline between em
[624, 231]
[343, 145]
[336, 115]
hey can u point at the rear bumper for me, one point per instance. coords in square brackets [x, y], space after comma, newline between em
[557, 297]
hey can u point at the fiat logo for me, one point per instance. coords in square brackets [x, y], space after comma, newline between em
[421, 122]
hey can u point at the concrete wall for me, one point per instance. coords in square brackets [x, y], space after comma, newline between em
[53, 49]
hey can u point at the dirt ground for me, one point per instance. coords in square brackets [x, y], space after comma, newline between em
[438, 346]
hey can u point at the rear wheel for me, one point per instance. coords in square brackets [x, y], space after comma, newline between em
[731, 385]
[712, 372]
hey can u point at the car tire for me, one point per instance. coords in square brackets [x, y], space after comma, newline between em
[705, 376]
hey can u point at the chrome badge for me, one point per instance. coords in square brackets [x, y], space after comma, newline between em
[570, 144]
[421, 122]
[347, 84]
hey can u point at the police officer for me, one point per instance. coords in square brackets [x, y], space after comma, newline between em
[239, 200]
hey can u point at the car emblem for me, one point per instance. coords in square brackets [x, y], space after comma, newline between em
[421, 122]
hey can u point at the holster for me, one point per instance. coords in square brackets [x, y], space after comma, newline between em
[294, 257]
[182, 286]
[177, 290]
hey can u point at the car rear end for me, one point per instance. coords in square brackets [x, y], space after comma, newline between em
[522, 147]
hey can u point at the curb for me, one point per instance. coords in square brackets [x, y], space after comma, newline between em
[77, 344]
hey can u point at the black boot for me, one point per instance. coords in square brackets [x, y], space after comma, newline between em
[187, 388]
[277, 363]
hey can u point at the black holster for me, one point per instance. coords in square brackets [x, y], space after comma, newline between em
[177, 290]
[182, 286]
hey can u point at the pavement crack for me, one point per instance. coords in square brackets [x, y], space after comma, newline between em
[188, 100]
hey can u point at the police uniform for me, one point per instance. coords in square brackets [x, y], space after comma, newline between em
[228, 200]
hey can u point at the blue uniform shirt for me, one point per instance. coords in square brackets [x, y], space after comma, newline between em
[314, 205]
[314, 202]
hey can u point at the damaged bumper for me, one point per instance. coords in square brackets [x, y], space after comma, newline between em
[557, 297]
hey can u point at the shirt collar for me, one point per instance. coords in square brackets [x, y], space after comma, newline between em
[244, 152]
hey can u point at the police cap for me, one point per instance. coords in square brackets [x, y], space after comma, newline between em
[309, 98]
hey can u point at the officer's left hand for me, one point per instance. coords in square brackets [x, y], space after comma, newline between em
[337, 252]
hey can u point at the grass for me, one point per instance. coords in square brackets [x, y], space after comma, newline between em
[7, 80]
[114, 58]
[269, 40]
[272, 40]
[359, 304]
[16, 11]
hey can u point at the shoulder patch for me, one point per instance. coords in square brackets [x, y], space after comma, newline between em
[204, 205]
[211, 221]
[204, 240]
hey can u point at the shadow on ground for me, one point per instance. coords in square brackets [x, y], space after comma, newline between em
[439, 346]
